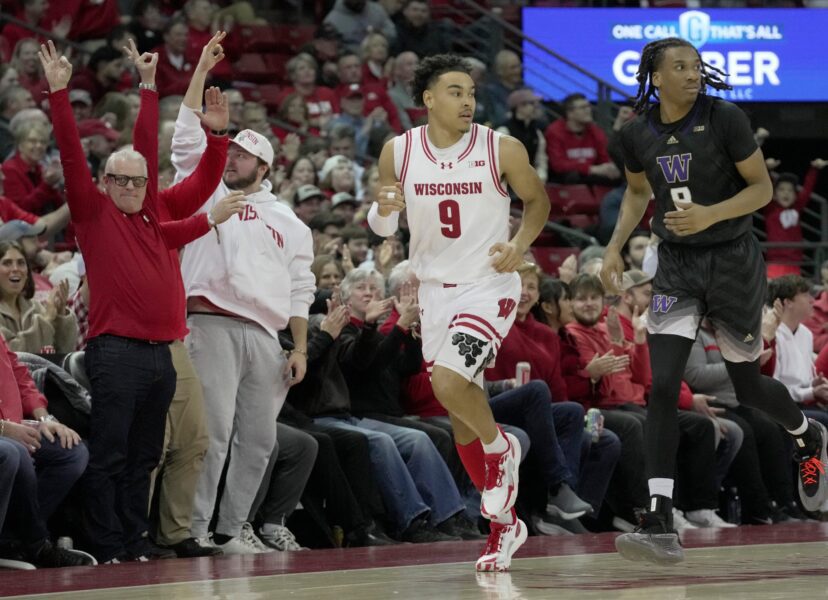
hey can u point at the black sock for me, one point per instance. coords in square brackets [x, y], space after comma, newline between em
[220, 538]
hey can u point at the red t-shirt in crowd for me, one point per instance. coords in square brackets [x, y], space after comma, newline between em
[171, 80]
[322, 101]
[783, 224]
[569, 151]
[91, 19]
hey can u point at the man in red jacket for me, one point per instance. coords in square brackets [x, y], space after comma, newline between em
[623, 393]
[129, 264]
[577, 147]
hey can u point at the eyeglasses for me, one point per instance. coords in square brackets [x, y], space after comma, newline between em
[138, 181]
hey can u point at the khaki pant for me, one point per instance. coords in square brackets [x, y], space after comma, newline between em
[185, 444]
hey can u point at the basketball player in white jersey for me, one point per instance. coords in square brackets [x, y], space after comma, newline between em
[451, 175]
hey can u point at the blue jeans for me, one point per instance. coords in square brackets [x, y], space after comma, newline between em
[9, 464]
[555, 429]
[43, 480]
[413, 477]
[133, 383]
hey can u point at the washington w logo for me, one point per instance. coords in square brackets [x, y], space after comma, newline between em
[662, 303]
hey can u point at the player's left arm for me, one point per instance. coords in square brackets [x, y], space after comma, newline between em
[757, 194]
[522, 177]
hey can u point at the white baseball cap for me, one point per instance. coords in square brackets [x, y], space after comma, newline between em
[255, 143]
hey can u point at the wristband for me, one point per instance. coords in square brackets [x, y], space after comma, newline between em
[147, 86]
[219, 132]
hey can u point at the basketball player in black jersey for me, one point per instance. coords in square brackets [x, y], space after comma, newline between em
[696, 154]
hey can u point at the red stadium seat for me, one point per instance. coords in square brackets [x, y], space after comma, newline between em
[549, 259]
[267, 93]
[252, 67]
[257, 38]
[572, 199]
[293, 37]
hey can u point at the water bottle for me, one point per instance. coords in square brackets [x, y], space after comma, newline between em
[734, 506]
[592, 420]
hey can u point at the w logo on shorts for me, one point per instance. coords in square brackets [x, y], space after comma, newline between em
[662, 304]
[507, 305]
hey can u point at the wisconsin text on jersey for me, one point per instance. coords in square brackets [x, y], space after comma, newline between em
[442, 189]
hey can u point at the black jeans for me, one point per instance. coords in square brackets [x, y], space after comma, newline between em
[133, 383]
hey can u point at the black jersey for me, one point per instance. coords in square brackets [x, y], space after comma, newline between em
[692, 159]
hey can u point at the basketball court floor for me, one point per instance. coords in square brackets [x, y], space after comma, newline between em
[760, 562]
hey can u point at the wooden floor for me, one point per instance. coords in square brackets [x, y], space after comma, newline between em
[781, 561]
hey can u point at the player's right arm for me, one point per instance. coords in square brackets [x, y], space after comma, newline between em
[633, 207]
[384, 215]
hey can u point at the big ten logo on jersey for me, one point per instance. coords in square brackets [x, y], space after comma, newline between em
[249, 214]
[506, 306]
[477, 163]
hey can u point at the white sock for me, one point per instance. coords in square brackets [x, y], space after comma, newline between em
[499, 445]
[661, 487]
[802, 428]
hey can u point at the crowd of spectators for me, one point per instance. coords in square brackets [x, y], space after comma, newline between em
[102, 176]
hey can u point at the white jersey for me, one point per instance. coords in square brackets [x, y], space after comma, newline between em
[457, 203]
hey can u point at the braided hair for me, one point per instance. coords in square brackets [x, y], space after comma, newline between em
[651, 58]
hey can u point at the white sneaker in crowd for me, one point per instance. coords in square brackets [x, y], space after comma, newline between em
[707, 518]
[279, 537]
[680, 522]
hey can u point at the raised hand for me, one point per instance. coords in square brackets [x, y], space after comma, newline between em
[377, 308]
[212, 53]
[146, 63]
[232, 204]
[336, 319]
[568, 269]
[639, 327]
[56, 68]
[216, 115]
[771, 320]
[407, 306]
[616, 333]
[819, 163]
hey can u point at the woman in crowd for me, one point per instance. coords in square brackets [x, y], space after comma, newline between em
[26, 324]
[27, 182]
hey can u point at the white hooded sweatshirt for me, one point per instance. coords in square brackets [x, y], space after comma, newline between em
[260, 269]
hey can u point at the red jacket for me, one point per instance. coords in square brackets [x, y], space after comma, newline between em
[18, 394]
[535, 343]
[569, 151]
[136, 280]
[783, 224]
[24, 184]
[818, 323]
[685, 401]
[578, 384]
[626, 387]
